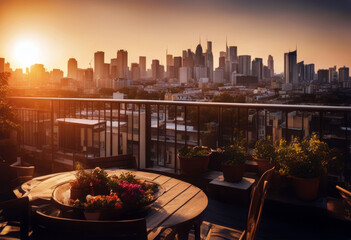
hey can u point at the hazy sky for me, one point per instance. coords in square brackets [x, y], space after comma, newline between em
[61, 29]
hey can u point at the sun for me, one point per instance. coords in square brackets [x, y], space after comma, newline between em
[25, 53]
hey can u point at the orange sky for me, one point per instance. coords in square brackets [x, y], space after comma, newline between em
[63, 29]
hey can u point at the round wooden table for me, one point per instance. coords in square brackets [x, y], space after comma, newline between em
[182, 202]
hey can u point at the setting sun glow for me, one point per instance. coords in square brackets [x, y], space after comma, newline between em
[26, 53]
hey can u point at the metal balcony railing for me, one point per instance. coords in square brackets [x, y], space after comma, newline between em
[153, 131]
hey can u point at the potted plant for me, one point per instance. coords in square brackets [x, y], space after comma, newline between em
[99, 182]
[233, 162]
[194, 160]
[281, 171]
[306, 163]
[80, 187]
[264, 154]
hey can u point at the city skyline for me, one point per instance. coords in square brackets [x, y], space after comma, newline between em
[135, 27]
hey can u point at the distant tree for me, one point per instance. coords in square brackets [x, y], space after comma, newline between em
[8, 120]
[223, 97]
[226, 97]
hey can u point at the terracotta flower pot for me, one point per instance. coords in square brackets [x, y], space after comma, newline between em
[80, 192]
[193, 165]
[306, 188]
[92, 215]
[263, 165]
[279, 182]
[233, 173]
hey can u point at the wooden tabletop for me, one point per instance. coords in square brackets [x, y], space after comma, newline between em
[181, 201]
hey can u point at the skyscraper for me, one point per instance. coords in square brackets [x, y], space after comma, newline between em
[257, 68]
[142, 66]
[233, 53]
[89, 78]
[245, 65]
[222, 62]
[99, 61]
[290, 68]
[177, 65]
[135, 71]
[72, 68]
[301, 71]
[169, 60]
[122, 64]
[199, 61]
[2, 65]
[309, 72]
[270, 64]
[209, 60]
[155, 68]
[113, 68]
[344, 74]
[333, 75]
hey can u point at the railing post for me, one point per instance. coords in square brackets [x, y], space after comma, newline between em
[148, 135]
[52, 135]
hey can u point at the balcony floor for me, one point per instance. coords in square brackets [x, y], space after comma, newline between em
[279, 221]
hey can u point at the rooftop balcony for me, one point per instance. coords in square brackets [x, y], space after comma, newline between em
[57, 132]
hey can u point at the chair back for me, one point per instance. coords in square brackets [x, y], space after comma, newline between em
[346, 195]
[14, 210]
[5, 178]
[51, 227]
[20, 174]
[258, 196]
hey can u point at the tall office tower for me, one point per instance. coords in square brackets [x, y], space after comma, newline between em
[333, 75]
[72, 68]
[89, 78]
[161, 71]
[170, 72]
[309, 72]
[56, 75]
[266, 72]
[257, 68]
[344, 75]
[245, 65]
[177, 65]
[170, 66]
[323, 75]
[301, 71]
[113, 68]
[37, 75]
[233, 53]
[7, 67]
[142, 66]
[155, 68]
[99, 61]
[2, 65]
[135, 71]
[209, 60]
[199, 59]
[290, 68]
[169, 60]
[184, 54]
[184, 75]
[107, 83]
[200, 72]
[270, 64]
[122, 64]
[221, 62]
[218, 75]
[81, 76]
[222, 54]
